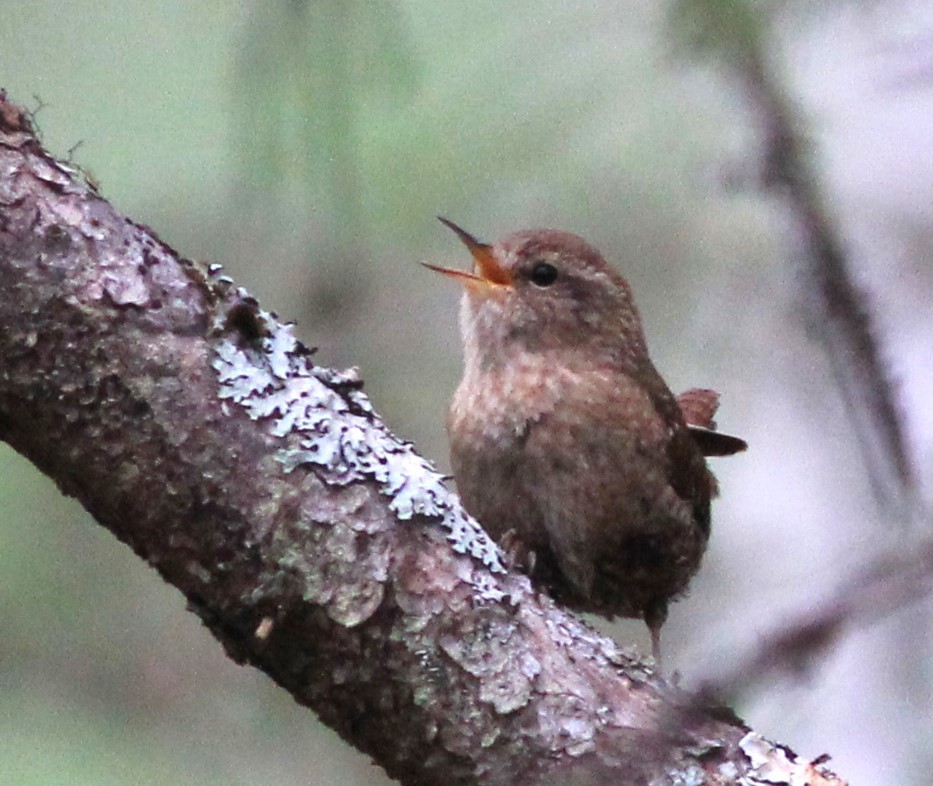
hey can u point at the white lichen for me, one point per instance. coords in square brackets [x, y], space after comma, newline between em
[773, 764]
[325, 421]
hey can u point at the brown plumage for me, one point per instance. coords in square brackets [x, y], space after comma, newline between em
[565, 442]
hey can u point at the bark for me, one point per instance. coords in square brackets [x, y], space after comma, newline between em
[312, 543]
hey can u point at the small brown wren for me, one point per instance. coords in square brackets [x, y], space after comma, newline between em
[566, 443]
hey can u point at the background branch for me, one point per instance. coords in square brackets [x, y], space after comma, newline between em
[892, 582]
[737, 33]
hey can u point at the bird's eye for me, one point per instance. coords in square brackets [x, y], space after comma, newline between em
[543, 274]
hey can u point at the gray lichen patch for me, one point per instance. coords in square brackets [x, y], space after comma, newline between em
[356, 603]
[330, 425]
[564, 724]
[506, 674]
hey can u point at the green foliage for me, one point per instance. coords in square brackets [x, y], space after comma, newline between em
[311, 75]
[47, 742]
[730, 29]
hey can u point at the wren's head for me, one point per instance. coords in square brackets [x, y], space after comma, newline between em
[540, 291]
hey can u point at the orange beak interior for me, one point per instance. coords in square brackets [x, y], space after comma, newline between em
[488, 268]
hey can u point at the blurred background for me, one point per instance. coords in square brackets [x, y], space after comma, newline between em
[308, 146]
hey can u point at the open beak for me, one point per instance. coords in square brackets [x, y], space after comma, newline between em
[488, 271]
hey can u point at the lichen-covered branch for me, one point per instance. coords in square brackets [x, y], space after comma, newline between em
[312, 543]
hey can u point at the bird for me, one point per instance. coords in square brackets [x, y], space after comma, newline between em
[565, 442]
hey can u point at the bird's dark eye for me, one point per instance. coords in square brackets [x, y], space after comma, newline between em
[543, 274]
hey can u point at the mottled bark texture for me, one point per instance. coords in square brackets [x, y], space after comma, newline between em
[312, 543]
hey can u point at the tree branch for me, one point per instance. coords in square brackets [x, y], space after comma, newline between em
[889, 583]
[736, 31]
[312, 543]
